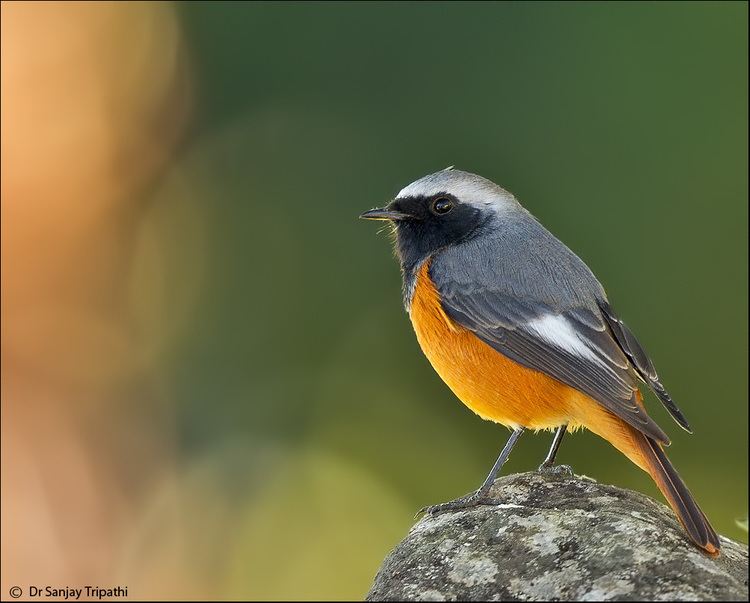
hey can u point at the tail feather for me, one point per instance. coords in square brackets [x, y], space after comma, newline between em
[649, 456]
[677, 494]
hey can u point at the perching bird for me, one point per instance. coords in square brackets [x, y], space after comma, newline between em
[521, 330]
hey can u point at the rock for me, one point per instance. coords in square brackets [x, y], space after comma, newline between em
[558, 538]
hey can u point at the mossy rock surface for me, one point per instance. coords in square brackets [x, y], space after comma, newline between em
[559, 538]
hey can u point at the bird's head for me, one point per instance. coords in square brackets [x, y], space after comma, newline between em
[443, 209]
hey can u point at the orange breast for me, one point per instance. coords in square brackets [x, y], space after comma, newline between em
[490, 384]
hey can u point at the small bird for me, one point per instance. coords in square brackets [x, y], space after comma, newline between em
[521, 331]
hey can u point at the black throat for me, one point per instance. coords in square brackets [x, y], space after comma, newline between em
[424, 235]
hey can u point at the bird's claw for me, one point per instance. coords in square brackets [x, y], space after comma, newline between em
[465, 502]
[549, 469]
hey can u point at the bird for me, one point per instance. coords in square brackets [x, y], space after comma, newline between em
[522, 332]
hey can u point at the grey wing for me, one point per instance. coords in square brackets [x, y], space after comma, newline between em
[642, 363]
[573, 345]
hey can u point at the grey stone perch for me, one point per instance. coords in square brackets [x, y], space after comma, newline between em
[558, 538]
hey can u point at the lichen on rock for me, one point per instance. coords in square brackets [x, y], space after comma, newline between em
[562, 538]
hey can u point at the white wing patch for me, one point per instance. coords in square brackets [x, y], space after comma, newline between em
[556, 329]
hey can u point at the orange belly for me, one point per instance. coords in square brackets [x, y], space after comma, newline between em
[492, 385]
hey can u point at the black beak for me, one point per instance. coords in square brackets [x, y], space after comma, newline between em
[382, 213]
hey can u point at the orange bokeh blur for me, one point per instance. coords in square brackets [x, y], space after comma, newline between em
[94, 98]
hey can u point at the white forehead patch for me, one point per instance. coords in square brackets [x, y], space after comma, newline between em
[466, 187]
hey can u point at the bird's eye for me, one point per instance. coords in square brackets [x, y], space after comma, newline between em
[442, 205]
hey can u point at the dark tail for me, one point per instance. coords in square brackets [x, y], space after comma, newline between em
[678, 496]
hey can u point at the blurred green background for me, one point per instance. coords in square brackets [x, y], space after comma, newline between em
[306, 427]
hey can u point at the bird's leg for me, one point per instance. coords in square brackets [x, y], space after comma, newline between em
[479, 497]
[548, 465]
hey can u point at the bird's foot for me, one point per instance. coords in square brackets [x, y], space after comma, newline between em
[550, 469]
[469, 501]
